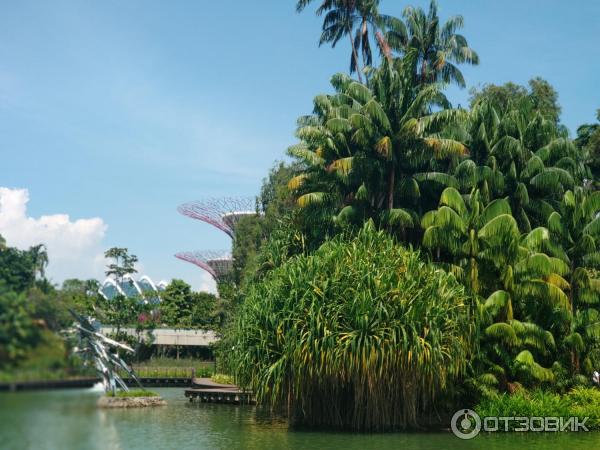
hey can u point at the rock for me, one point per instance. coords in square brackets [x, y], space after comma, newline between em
[130, 402]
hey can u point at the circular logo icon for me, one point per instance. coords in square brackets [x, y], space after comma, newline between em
[465, 424]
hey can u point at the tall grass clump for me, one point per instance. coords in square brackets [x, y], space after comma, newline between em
[360, 335]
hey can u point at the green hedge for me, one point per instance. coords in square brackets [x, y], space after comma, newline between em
[580, 402]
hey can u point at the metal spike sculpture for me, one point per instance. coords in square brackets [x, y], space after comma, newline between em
[217, 263]
[223, 213]
[95, 346]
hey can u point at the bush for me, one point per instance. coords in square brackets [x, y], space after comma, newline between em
[18, 332]
[580, 402]
[222, 378]
[360, 335]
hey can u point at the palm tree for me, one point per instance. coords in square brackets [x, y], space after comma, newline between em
[339, 21]
[351, 18]
[523, 316]
[521, 155]
[524, 287]
[575, 237]
[575, 232]
[368, 150]
[440, 48]
[509, 354]
[457, 233]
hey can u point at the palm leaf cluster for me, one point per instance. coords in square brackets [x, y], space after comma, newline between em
[439, 47]
[359, 335]
[520, 172]
[372, 152]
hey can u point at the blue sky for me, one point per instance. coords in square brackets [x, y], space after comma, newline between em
[121, 110]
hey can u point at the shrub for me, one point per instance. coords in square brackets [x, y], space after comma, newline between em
[580, 402]
[360, 335]
[222, 378]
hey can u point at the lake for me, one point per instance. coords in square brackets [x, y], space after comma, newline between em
[69, 419]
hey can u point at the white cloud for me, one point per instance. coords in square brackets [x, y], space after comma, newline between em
[74, 247]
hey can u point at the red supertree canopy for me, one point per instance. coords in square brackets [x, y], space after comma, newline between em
[218, 263]
[223, 213]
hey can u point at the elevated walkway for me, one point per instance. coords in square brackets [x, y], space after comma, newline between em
[172, 336]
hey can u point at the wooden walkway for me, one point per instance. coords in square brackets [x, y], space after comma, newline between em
[207, 391]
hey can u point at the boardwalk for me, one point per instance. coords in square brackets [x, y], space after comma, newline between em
[207, 391]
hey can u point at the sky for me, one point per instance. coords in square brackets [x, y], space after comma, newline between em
[112, 113]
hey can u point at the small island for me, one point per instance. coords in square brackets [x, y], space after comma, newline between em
[131, 399]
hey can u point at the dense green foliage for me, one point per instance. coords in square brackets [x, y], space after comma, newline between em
[252, 232]
[361, 334]
[496, 197]
[34, 313]
[222, 378]
[368, 149]
[19, 268]
[17, 330]
[490, 193]
[540, 94]
[588, 141]
[581, 402]
[180, 307]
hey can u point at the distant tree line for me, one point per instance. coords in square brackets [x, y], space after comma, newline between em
[34, 312]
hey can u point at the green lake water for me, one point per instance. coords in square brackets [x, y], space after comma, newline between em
[69, 419]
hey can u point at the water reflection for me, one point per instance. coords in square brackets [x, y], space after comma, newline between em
[65, 420]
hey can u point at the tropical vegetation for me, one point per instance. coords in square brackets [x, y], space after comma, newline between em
[337, 337]
[581, 403]
[34, 314]
[412, 257]
[425, 253]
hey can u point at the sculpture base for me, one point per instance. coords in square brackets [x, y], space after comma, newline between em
[130, 402]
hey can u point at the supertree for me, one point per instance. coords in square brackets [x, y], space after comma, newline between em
[217, 263]
[223, 213]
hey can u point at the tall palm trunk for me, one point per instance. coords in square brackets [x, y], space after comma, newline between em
[423, 79]
[354, 55]
[391, 182]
